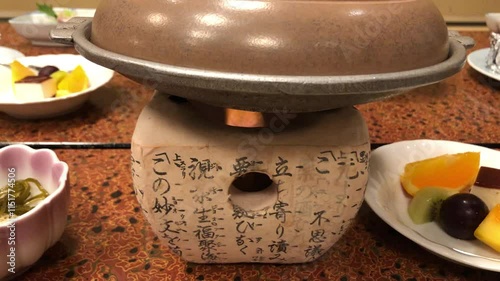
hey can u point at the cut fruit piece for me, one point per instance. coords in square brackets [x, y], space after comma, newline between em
[488, 231]
[59, 75]
[75, 81]
[19, 71]
[452, 171]
[424, 206]
[461, 214]
[62, 93]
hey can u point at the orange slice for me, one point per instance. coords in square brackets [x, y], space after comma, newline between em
[20, 71]
[452, 171]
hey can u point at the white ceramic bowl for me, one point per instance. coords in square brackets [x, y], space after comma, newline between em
[51, 107]
[41, 227]
[36, 25]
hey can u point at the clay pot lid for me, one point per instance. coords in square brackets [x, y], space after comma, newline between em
[276, 37]
[249, 82]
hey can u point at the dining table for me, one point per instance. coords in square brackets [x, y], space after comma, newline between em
[108, 238]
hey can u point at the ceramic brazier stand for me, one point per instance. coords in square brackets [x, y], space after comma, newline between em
[264, 158]
[281, 193]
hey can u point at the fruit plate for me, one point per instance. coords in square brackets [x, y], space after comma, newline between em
[51, 107]
[387, 199]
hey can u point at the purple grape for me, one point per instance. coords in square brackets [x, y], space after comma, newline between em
[460, 215]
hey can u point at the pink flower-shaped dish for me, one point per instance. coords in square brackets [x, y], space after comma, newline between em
[25, 238]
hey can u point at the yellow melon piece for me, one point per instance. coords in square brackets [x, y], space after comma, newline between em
[452, 171]
[59, 75]
[62, 93]
[75, 81]
[489, 230]
[19, 71]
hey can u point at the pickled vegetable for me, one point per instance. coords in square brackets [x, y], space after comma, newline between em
[23, 197]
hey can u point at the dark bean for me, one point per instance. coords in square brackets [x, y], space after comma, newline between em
[47, 70]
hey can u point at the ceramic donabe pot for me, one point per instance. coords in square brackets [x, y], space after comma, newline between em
[280, 37]
[284, 193]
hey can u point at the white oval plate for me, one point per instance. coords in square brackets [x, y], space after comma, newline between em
[7, 55]
[51, 107]
[387, 199]
[477, 60]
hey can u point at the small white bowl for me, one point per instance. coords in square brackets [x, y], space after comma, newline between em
[40, 228]
[36, 25]
[51, 107]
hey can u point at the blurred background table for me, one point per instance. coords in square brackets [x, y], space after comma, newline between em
[107, 237]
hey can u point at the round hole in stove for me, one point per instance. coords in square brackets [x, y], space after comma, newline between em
[253, 191]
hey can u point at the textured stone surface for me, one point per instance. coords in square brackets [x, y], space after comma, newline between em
[185, 165]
